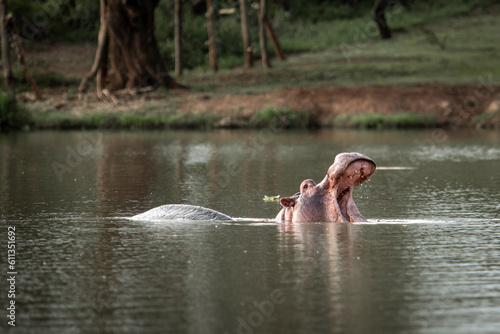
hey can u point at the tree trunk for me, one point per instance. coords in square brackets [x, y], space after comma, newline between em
[11, 24]
[262, 34]
[379, 16]
[101, 56]
[212, 48]
[272, 35]
[7, 71]
[135, 60]
[274, 39]
[245, 33]
[178, 37]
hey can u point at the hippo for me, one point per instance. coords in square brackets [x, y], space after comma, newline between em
[329, 201]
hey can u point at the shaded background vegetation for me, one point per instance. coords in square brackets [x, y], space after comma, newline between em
[301, 25]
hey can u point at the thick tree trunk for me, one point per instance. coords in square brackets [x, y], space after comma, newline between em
[379, 16]
[7, 71]
[126, 37]
[134, 56]
[135, 60]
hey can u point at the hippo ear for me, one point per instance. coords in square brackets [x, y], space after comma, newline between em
[287, 202]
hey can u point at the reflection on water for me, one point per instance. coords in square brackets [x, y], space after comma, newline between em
[427, 262]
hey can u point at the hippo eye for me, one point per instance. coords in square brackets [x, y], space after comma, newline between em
[305, 186]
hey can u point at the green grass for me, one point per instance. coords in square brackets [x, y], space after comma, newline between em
[154, 118]
[392, 121]
[266, 118]
[445, 43]
[129, 120]
[455, 50]
[42, 79]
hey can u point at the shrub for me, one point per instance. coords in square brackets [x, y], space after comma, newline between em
[282, 118]
[12, 116]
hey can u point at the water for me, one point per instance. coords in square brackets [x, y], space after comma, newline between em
[427, 262]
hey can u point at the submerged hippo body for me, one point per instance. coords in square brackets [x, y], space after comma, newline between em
[181, 212]
[329, 201]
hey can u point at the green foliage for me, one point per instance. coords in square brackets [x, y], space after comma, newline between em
[57, 20]
[320, 10]
[12, 116]
[307, 26]
[378, 121]
[195, 46]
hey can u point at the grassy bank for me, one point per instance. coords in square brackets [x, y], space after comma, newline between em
[266, 118]
[392, 121]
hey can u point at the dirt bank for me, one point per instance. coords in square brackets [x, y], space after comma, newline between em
[454, 106]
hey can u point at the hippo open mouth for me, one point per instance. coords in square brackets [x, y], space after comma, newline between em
[331, 199]
[356, 173]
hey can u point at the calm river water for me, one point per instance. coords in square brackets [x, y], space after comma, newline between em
[427, 262]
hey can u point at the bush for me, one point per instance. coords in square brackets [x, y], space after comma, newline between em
[11, 115]
[282, 118]
[195, 36]
[57, 20]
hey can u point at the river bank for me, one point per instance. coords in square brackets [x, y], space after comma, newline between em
[403, 106]
[435, 73]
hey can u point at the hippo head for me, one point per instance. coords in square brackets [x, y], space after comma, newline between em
[331, 199]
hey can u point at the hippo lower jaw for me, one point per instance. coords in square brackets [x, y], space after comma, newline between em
[347, 208]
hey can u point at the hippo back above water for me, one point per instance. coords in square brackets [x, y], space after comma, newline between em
[181, 212]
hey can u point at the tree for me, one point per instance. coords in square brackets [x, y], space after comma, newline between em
[7, 71]
[379, 16]
[126, 37]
